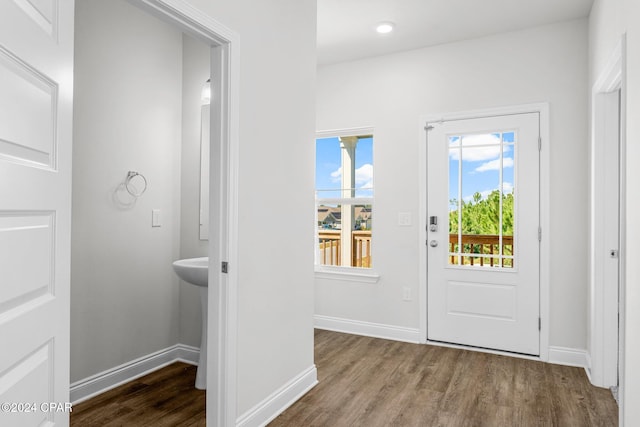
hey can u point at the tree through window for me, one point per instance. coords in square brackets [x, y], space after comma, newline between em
[481, 199]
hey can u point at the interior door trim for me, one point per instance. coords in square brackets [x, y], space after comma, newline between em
[607, 317]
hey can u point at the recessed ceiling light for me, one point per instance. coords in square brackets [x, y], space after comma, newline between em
[385, 27]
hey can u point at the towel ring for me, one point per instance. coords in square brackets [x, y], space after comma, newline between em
[131, 189]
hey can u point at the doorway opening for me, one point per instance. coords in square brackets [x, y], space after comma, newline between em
[179, 19]
[221, 391]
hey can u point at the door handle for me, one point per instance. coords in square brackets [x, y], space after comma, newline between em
[433, 243]
[433, 223]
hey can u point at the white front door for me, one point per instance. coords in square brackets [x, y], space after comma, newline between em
[36, 79]
[483, 255]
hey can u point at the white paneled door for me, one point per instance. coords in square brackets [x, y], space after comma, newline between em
[483, 240]
[36, 79]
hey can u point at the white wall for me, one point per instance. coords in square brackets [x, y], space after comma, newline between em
[609, 20]
[276, 78]
[632, 318]
[196, 57]
[127, 116]
[390, 93]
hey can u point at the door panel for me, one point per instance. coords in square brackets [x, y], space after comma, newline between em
[25, 253]
[483, 257]
[29, 105]
[36, 76]
[42, 13]
[474, 299]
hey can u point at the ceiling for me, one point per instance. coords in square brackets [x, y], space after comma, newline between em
[346, 28]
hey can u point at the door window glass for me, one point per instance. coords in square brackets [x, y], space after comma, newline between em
[482, 199]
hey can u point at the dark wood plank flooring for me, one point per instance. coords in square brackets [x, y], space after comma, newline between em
[166, 397]
[372, 382]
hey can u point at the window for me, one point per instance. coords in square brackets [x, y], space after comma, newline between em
[481, 221]
[344, 201]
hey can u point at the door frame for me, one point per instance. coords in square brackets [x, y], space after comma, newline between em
[606, 309]
[223, 192]
[545, 247]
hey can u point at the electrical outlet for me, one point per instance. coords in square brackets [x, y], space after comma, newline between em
[406, 294]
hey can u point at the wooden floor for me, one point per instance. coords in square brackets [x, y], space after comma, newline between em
[163, 398]
[372, 382]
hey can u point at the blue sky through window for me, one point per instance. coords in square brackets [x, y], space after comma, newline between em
[329, 170]
[476, 159]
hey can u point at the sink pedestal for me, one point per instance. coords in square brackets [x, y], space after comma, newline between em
[201, 374]
[196, 272]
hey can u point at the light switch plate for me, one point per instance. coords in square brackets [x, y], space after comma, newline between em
[155, 218]
[404, 219]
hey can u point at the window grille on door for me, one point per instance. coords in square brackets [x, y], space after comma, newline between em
[482, 199]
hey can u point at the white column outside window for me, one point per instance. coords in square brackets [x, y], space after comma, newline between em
[348, 146]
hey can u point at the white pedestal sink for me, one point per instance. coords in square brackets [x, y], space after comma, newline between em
[196, 272]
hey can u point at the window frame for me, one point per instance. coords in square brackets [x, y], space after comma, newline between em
[346, 273]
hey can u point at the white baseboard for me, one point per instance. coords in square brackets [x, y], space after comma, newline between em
[569, 357]
[104, 381]
[376, 330]
[588, 366]
[558, 355]
[276, 403]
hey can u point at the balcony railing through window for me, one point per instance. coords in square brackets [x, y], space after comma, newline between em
[329, 246]
[481, 250]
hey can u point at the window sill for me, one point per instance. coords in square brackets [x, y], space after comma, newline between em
[347, 274]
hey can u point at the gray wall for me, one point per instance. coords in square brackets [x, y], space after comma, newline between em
[127, 116]
[196, 57]
[391, 93]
